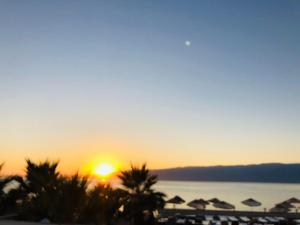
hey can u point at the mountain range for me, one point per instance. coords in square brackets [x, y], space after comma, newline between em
[267, 173]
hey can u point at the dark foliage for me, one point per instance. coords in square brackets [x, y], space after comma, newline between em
[8, 193]
[141, 200]
[102, 205]
[44, 193]
[70, 198]
[41, 185]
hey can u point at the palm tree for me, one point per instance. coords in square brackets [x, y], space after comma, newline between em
[51, 195]
[71, 196]
[3, 183]
[41, 177]
[40, 185]
[141, 199]
[102, 205]
[8, 196]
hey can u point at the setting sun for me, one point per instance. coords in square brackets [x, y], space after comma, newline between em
[104, 169]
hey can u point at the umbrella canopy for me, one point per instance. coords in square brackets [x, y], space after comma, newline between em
[176, 200]
[251, 202]
[293, 201]
[197, 204]
[223, 205]
[282, 207]
[279, 208]
[202, 201]
[286, 205]
[214, 200]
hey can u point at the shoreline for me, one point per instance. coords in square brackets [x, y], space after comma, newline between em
[186, 212]
[227, 181]
[172, 212]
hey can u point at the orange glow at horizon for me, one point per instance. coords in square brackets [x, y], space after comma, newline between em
[104, 167]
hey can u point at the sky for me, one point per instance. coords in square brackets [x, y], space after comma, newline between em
[170, 83]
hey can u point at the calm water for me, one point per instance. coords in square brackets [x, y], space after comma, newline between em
[234, 193]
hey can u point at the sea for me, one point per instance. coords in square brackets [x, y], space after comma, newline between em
[233, 192]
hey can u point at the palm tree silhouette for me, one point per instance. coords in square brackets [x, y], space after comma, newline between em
[3, 184]
[102, 205]
[44, 193]
[41, 177]
[41, 185]
[8, 194]
[141, 199]
[71, 195]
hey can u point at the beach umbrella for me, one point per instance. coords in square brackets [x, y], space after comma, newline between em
[214, 200]
[175, 200]
[278, 209]
[196, 204]
[223, 205]
[201, 200]
[281, 207]
[251, 202]
[284, 206]
[293, 201]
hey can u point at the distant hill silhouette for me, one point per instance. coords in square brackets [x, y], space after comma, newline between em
[271, 172]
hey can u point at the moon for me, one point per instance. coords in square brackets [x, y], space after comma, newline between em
[187, 43]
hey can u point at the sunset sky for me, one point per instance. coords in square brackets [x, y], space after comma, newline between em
[171, 83]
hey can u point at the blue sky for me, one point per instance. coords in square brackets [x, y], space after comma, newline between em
[118, 75]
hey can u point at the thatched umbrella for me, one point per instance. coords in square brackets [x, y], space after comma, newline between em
[214, 200]
[279, 208]
[176, 200]
[251, 202]
[286, 205]
[223, 205]
[293, 201]
[283, 206]
[198, 204]
[202, 201]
